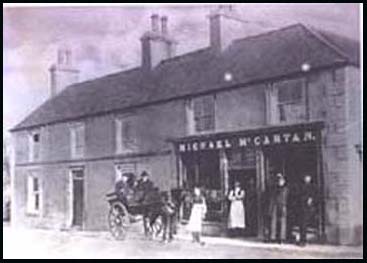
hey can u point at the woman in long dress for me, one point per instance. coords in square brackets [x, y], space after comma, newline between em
[236, 220]
[197, 215]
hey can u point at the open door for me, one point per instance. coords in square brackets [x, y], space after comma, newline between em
[77, 177]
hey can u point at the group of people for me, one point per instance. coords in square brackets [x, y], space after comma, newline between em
[128, 189]
[275, 205]
[277, 199]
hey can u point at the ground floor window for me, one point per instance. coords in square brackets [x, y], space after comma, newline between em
[33, 194]
[202, 169]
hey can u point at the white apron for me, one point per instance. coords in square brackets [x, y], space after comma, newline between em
[237, 211]
[196, 217]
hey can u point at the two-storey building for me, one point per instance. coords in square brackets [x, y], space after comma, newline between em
[241, 109]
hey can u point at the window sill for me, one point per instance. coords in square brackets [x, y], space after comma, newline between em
[33, 213]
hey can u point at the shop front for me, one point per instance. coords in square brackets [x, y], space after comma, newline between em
[215, 161]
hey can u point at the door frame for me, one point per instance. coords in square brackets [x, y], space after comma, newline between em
[71, 194]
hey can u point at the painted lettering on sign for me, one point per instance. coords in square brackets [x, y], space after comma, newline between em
[248, 141]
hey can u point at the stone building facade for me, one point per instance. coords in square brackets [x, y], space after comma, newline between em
[156, 117]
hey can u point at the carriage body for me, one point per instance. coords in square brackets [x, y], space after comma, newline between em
[130, 208]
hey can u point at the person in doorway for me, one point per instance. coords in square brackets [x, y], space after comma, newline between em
[251, 206]
[168, 212]
[236, 220]
[265, 206]
[197, 215]
[278, 210]
[307, 199]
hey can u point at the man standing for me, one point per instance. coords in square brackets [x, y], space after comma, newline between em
[169, 211]
[144, 187]
[307, 201]
[278, 210]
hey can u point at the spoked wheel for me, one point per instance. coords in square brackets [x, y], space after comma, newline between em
[118, 220]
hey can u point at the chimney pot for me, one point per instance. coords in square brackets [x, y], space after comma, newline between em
[155, 19]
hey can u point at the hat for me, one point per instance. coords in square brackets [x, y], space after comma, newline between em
[144, 174]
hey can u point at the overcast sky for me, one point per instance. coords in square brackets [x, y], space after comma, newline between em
[106, 39]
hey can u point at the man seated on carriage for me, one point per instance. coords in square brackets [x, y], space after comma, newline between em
[123, 189]
[144, 186]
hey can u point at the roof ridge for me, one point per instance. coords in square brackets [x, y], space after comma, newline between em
[267, 32]
[185, 54]
[315, 33]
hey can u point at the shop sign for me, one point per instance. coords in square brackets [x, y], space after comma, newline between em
[249, 141]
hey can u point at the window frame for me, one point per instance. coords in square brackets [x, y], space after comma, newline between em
[279, 105]
[34, 147]
[74, 143]
[34, 196]
[122, 144]
[204, 115]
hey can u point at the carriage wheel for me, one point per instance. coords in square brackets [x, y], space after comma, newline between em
[118, 220]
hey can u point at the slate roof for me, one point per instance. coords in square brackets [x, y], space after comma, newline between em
[255, 58]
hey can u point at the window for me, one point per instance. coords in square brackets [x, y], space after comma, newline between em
[77, 141]
[291, 92]
[33, 194]
[204, 113]
[286, 101]
[126, 138]
[34, 146]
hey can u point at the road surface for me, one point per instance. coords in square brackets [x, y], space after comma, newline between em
[26, 243]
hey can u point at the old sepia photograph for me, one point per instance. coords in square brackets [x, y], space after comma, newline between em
[183, 131]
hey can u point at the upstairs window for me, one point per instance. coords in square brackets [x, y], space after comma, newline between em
[33, 194]
[286, 102]
[203, 113]
[34, 146]
[77, 137]
[126, 135]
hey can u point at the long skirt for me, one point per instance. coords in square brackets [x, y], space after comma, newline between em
[196, 218]
[236, 215]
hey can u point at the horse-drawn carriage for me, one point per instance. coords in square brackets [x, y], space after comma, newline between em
[137, 206]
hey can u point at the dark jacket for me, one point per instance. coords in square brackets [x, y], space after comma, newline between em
[306, 192]
[279, 196]
[145, 186]
[122, 190]
[143, 190]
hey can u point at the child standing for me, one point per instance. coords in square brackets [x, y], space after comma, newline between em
[197, 215]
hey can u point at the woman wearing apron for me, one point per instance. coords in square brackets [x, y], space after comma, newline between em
[236, 220]
[197, 215]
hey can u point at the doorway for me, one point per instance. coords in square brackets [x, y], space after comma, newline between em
[247, 180]
[77, 191]
[294, 162]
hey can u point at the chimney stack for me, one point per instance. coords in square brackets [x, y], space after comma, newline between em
[62, 74]
[156, 44]
[164, 25]
[155, 21]
[225, 26]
